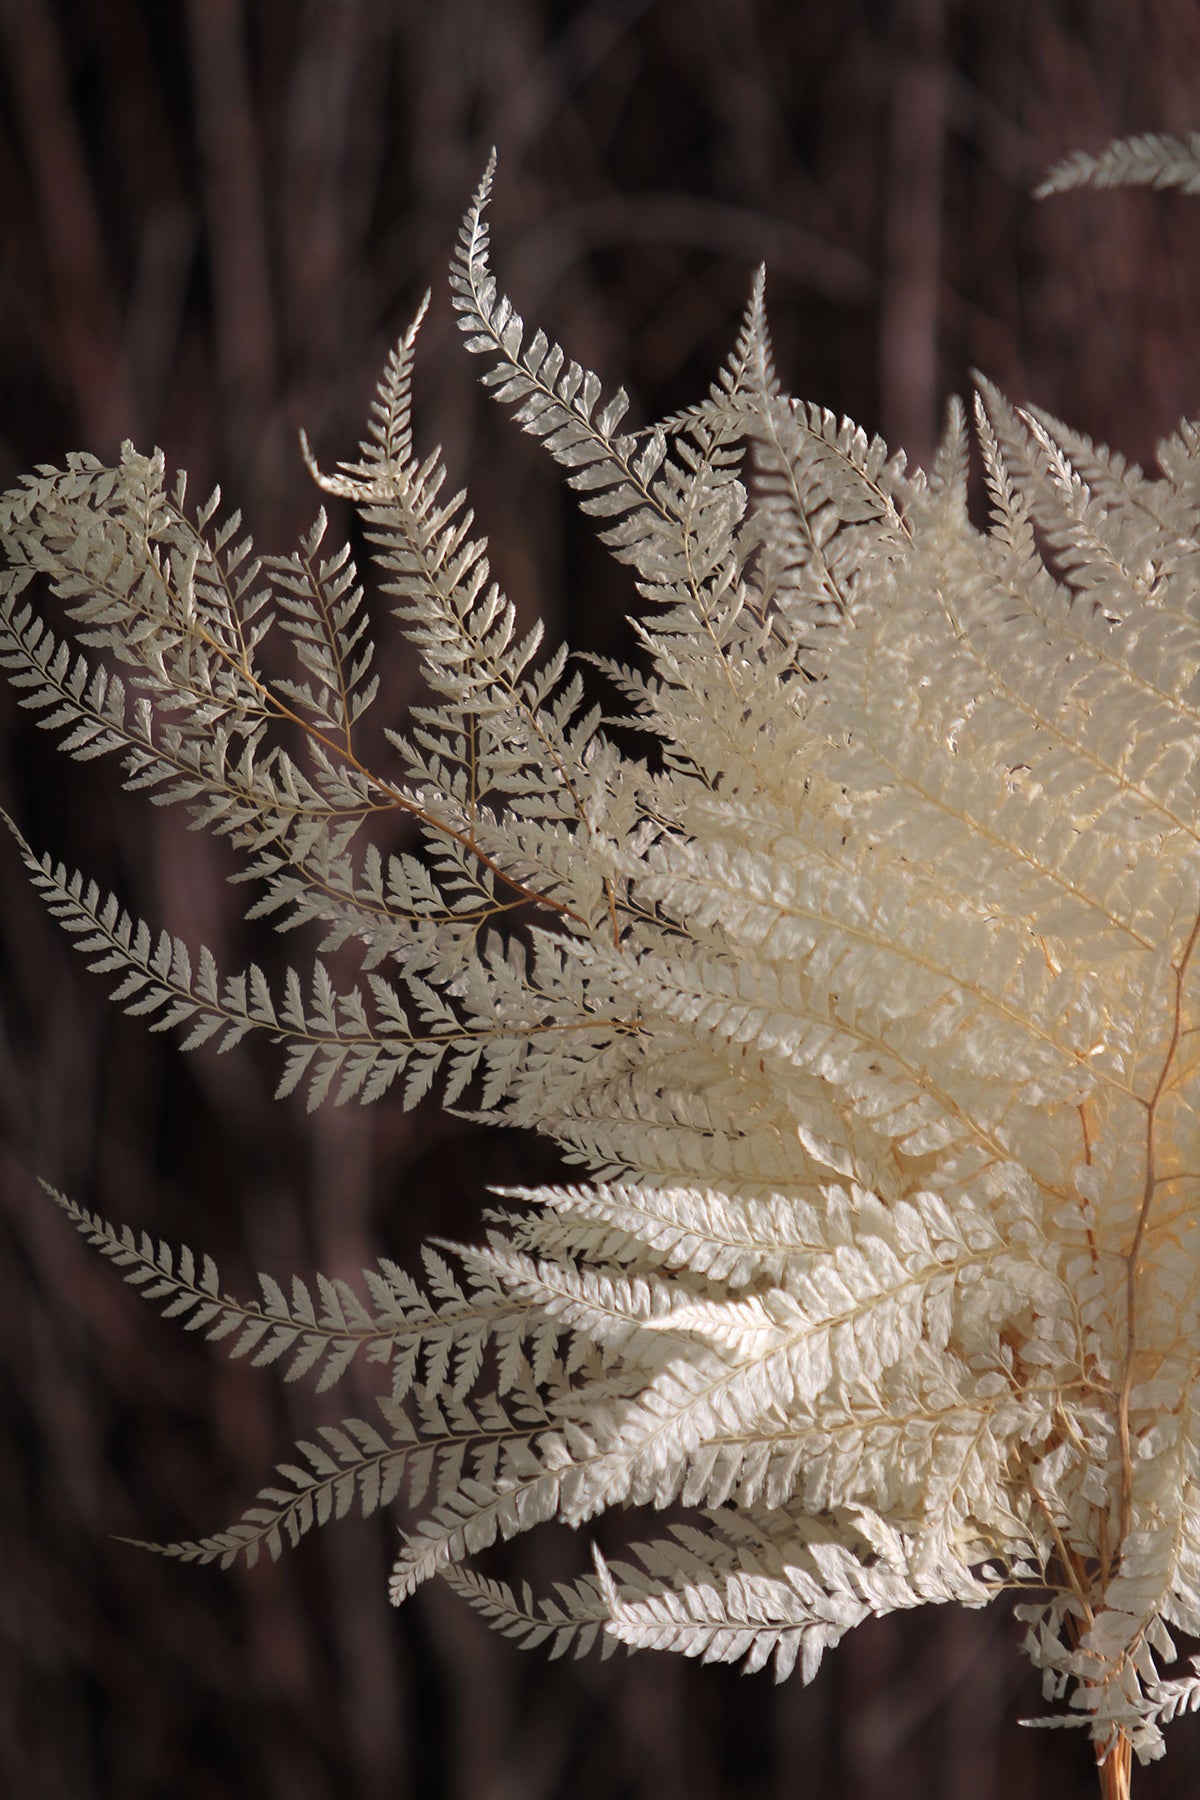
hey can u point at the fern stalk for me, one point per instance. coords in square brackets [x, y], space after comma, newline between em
[1115, 1769]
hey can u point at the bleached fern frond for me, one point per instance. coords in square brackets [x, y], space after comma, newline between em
[558, 400]
[476, 1515]
[746, 1619]
[572, 1623]
[353, 1467]
[673, 500]
[470, 1460]
[693, 1597]
[1152, 159]
[508, 725]
[337, 1044]
[331, 1037]
[726, 1238]
[437, 1334]
[1178, 1695]
[327, 623]
[829, 502]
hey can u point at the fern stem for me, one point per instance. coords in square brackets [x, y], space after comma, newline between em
[1114, 1765]
[396, 798]
[1135, 1247]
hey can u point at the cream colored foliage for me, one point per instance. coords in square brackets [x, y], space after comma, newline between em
[871, 1015]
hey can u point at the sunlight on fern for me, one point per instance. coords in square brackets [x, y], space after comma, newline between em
[870, 1009]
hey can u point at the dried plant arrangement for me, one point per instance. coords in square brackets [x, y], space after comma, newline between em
[867, 1004]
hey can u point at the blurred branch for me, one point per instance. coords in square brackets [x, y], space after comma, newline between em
[912, 262]
[81, 331]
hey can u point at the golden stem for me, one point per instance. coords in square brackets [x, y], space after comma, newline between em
[1115, 1768]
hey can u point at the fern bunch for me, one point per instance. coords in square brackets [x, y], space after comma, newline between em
[870, 1009]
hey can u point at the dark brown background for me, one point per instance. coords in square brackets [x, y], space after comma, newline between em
[214, 216]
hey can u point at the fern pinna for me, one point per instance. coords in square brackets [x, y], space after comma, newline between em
[868, 1006]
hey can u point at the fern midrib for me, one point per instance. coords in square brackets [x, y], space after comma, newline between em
[1148, 1196]
[334, 645]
